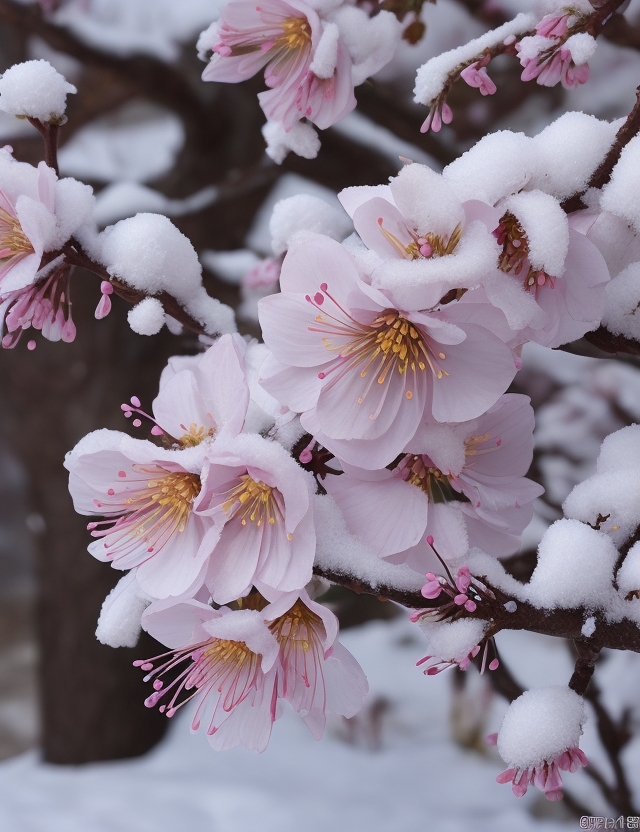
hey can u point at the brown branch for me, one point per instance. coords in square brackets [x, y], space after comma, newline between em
[76, 256]
[50, 132]
[618, 30]
[560, 623]
[585, 665]
[610, 343]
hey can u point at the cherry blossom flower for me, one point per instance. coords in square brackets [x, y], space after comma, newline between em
[544, 776]
[572, 299]
[427, 242]
[258, 499]
[146, 493]
[283, 37]
[38, 213]
[237, 664]
[226, 660]
[460, 485]
[363, 370]
[316, 674]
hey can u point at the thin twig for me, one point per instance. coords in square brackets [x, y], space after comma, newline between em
[50, 132]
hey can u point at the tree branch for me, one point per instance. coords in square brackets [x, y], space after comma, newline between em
[560, 623]
[603, 172]
[76, 256]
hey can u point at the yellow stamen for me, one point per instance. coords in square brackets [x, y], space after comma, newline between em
[296, 34]
[257, 503]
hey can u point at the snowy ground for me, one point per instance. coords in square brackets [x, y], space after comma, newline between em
[416, 778]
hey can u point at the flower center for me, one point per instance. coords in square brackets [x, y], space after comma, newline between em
[296, 34]
[152, 513]
[13, 240]
[421, 472]
[297, 628]
[515, 246]
[253, 501]
[177, 491]
[515, 253]
[195, 434]
[389, 343]
[422, 246]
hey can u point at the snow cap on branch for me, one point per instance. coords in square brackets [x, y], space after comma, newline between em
[452, 641]
[611, 497]
[575, 567]
[628, 577]
[34, 89]
[622, 299]
[620, 194]
[432, 77]
[148, 253]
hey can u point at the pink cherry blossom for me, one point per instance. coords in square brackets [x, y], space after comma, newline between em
[544, 776]
[258, 500]
[282, 37]
[323, 101]
[38, 213]
[237, 664]
[359, 367]
[573, 301]
[458, 485]
[205, 397]
[428, 244]
[226, 665]
[146, 493]
[316, 674]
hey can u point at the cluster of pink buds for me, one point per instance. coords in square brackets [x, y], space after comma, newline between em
[553, 54]
[548, 69]
[462, 591]
[475, 75]
[545, 776]
[465, 593]
[439, 114]
[45, 306]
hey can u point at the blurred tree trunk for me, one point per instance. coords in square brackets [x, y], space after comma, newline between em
[91, 695]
